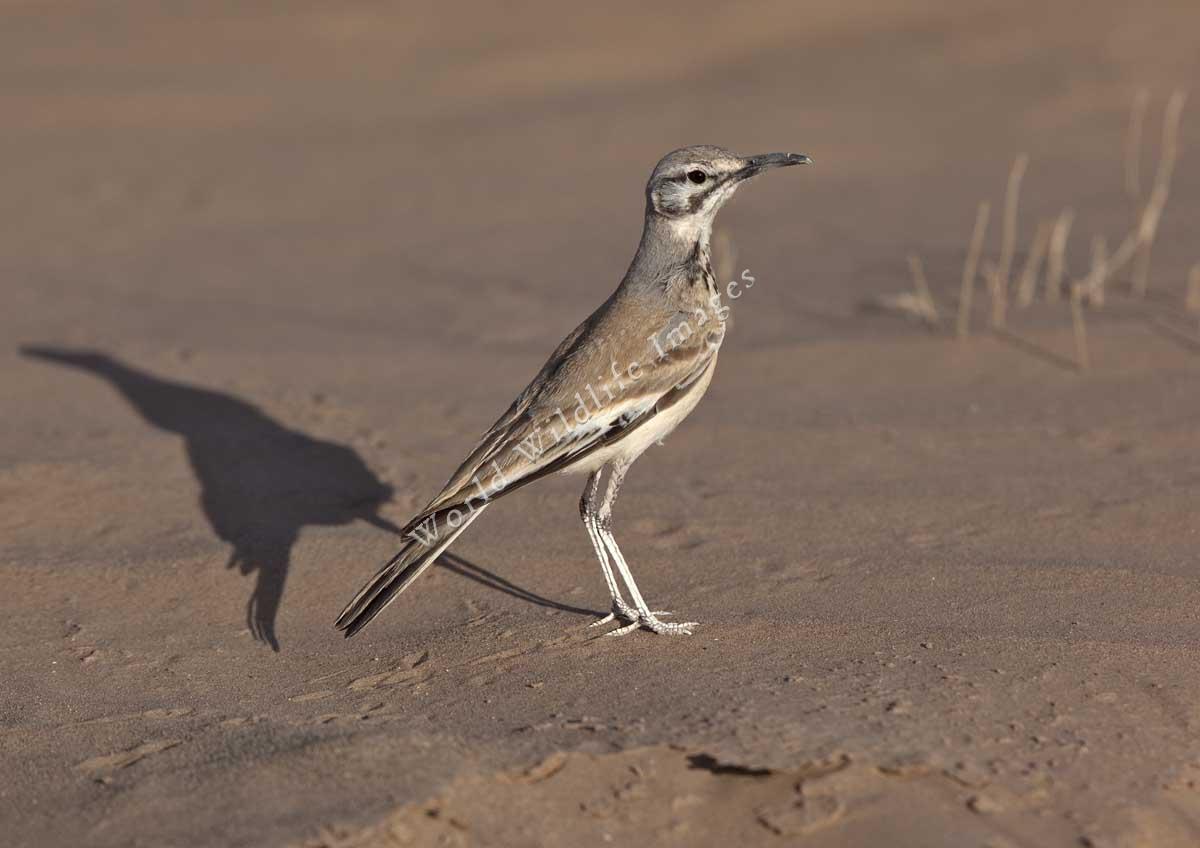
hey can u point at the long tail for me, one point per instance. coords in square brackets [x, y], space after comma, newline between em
[418, 553]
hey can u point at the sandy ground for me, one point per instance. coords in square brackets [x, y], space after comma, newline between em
[267, 274]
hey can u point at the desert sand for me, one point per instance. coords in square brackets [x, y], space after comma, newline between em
[269, 271]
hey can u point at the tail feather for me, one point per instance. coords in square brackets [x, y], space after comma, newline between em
[397, 575]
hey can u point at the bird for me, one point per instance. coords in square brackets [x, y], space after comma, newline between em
[619, 383]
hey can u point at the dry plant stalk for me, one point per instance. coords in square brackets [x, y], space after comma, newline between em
[1147, 227]
[1056, 263]
[929, 311]
[1093, 283]
[1192, 302]
[1008, 244]
[1133, 179]
[1027, 285]
[1081, 345]
[1133, 145]
[1147, 215]
[970, 269]
[990, 274]
[909, 304]
[991, 280]
[1126, 249]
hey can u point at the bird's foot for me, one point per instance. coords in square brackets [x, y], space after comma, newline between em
[650, 622]
[664, 628]
[624, 612]
[620, 610]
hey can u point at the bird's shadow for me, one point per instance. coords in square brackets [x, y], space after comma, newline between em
[471, 571]
[261, 482]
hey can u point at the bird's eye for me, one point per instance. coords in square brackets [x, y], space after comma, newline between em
[697, 176]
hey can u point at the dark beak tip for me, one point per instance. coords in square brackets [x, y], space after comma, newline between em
[777, 160]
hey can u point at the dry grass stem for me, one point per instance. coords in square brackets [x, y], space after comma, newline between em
[1192, 301]
[1147, 230]
[1008, 244]
[1133, 145]
[970, 269]
[909, 304]
[1147, 227]
[1056, 263]
[1093, 283]
[1027, 284]
[918, 304]
[924, 295]
[1172, 116]
[1124, 252]
[990, 272]
[1081, 344]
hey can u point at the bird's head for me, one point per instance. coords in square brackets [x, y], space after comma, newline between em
[689, 185]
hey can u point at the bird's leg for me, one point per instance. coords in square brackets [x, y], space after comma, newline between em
[588, 512]
[646, 617]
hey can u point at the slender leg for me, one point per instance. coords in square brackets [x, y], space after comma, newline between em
[588, 512]
[646, 617]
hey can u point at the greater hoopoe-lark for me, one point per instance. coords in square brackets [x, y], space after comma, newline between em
[634, 369]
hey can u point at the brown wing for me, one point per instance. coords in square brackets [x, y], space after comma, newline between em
[544, 431]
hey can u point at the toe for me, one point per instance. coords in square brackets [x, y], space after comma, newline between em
[621, 631]
[683, 628]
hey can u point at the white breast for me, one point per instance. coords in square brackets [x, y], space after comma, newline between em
[635, 444]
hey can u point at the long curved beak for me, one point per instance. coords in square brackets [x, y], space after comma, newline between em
[763, 161]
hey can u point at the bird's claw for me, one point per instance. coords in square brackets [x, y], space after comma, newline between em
[624, 612]
[650, 622]
[664, 628]
[620, 610]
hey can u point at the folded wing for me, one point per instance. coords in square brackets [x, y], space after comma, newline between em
[546, 430]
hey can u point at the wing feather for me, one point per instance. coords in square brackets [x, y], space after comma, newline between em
[541, 432]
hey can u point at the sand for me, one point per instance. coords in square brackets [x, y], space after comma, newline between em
[268, 273]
